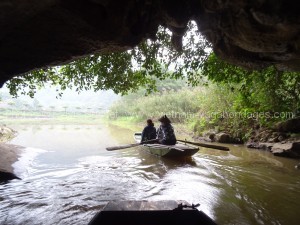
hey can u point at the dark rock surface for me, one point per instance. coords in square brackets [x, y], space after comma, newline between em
[260, 145]
[209, 136]
[6, 176]
[254, 34]
[289, 149]
[282, 140]
[8, 156]
[222, 137]
[292, 125]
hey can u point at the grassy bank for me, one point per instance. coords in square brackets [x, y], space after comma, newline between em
[183, 130]
[44, 118]
[125, 122]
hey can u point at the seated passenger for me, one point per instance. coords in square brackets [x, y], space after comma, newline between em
[165, 132]
[149, 132]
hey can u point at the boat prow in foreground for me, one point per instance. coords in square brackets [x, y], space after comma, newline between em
[150, 213]
[178, 150]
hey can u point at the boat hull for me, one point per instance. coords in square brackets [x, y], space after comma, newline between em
[169, 151]
[178, 150]
[149, 213]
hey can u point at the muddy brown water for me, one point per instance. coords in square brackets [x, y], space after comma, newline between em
[67, 176]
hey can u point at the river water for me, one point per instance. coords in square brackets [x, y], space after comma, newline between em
[67, 176]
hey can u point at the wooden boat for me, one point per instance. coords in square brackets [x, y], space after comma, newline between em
[178, 150]
[150, 213]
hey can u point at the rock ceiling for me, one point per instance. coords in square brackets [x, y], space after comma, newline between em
[250, 33]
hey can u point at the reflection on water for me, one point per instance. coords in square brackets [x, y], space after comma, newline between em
[67, 176]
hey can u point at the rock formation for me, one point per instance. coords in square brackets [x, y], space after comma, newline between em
[291, 149]
[282, 140]
[252, 33]
[6, 176]
[6, 133]
[8, 155]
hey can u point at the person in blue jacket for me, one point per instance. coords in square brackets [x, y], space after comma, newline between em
[165, 132]
[149, 132]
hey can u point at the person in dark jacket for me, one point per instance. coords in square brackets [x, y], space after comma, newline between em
[149, 132]
[165, 132]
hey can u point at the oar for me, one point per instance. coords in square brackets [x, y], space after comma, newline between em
[223, 148]
[129, 146]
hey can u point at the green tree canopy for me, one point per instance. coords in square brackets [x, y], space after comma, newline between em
[268, 90]
[141, 66]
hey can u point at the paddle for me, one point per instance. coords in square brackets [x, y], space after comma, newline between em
[223, 148]
[129, 146]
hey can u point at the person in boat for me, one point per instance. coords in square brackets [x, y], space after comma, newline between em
[149, 132]
[165, 132]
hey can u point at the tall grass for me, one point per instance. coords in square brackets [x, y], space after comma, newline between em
[219, 107]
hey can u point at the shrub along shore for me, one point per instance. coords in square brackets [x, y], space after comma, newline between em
[222, 112]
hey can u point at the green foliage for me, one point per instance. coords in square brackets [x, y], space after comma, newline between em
[235, 100]
[179, 105]
[125, 71]
[268, 90]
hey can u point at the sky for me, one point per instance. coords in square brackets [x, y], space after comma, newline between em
[48, 97]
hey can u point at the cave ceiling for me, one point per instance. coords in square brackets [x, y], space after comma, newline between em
[250, 33]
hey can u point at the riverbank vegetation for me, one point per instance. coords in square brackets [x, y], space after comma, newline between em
[18, 117]
[229, 99]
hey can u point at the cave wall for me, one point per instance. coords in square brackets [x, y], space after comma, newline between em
[251, 33]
